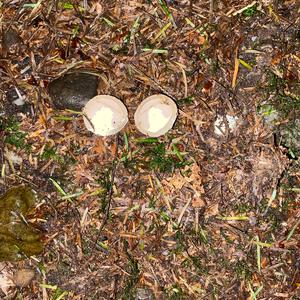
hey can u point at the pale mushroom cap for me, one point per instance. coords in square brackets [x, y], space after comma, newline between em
[105, 115]
[156, 115]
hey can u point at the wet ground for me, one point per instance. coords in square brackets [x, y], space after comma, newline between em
[208, 211]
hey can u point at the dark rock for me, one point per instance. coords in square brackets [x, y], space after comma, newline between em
[10, 38]
[73, 91]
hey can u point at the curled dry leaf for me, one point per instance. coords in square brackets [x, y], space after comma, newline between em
[5, 279]
[177, 181]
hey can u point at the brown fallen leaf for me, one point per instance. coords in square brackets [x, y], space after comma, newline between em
[99, 147]
[5, 280]
[207, 86]
[264, 262]
[277, 58]
[23, 277]
[177, 181]
[198, 202]
[212, 210]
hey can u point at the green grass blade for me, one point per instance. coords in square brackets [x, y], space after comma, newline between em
[177, 152]
[58, 187]
[126, 141]
[234, 218]
[146, 140]
[162, 31]
[134, 28]
[293, 230]
[258, 254]
[68, 196]
[245, 64]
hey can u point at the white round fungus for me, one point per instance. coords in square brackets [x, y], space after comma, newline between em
[155, 115]
[105, 115]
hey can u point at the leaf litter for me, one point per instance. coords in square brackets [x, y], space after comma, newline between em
[141, 217]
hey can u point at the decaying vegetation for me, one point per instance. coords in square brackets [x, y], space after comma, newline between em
[208, 211]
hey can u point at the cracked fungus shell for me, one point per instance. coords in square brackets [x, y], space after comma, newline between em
[105, 115]
[156, 115]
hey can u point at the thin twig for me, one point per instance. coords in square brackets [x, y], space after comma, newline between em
[211, 9]
[89, 120]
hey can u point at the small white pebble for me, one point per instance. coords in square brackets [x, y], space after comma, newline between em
[220, 126]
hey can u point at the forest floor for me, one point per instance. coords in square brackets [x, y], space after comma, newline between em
[208, 211]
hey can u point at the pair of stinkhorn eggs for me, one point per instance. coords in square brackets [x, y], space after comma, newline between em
[106, 115]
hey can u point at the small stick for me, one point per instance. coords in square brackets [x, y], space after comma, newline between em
[89, 120]
[211, 8]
